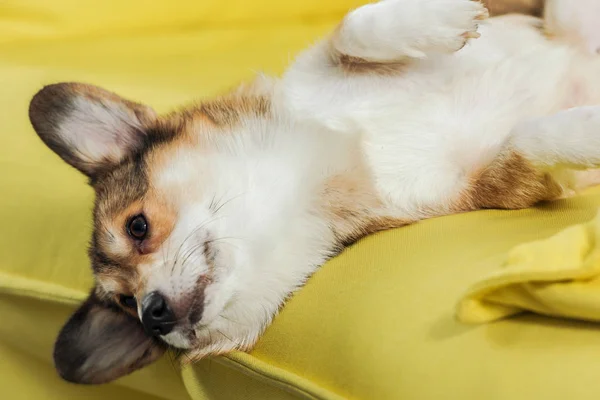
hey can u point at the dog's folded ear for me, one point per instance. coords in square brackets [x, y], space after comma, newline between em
[100, 343]
[89, 127]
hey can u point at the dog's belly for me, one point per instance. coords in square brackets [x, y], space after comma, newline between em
[454, 113]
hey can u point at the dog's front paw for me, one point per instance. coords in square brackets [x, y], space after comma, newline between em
[451, 23]
[393, 29]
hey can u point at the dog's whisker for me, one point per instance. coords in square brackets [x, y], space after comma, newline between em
[212, 203]
[230, 320]
[183, 353]
[189, 236]
[191, 251]
[238, 344]
[184, 264]
[227, 202]
[192, 233]
[223, 240]
[172, 359]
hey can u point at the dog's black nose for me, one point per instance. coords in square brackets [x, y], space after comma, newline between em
[157, 317]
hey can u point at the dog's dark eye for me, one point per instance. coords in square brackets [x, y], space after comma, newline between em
[137, 227]
[128, 301]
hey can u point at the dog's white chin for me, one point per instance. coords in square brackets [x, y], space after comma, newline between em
[177, 339]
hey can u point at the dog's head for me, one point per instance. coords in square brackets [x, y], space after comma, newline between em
[163, 249]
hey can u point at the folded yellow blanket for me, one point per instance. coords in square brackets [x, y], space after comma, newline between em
[558, 276]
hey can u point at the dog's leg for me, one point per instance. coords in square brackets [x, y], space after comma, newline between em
[393, 30]
[575, 21]
[331, 83]
[567, 139]
[535, 158]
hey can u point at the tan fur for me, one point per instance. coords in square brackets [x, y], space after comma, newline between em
[116, 281]
[228, 110]
[510, 182]
[118, 257]
[197, 125]
[357, 65]
[161, 216]
[528, 7]
[247, 100]
[353, 209]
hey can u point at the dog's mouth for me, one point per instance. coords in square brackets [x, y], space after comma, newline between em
[182, 338]
[175, 320]
[182, 332]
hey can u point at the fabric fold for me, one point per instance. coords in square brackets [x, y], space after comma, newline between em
[558, 276]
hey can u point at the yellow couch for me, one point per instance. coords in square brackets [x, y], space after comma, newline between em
[377, 322]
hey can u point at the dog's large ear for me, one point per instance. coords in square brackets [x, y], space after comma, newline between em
[89, 127]
[101, 342]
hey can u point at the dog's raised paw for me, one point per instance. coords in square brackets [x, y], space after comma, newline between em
[394, 29]
[454, 23]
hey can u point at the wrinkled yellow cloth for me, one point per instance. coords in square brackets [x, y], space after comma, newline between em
[558, 276]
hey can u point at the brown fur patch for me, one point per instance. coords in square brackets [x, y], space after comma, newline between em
[251, 99]
[113, 282]
[356, 65]
[161, 218]
[228, 110]
[121, 280]
[528, 7]
[116, 256]
[120, 195]
[353, 209]
[510, 182]
[366, 226]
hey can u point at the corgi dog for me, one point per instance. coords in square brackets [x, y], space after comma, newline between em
[207, 219]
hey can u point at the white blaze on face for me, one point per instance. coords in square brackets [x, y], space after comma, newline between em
[180, 262]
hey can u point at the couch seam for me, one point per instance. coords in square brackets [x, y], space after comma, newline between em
[285, 383]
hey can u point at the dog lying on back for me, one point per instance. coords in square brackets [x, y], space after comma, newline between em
[207, 219]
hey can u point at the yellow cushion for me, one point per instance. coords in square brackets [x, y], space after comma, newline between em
[375, 323]
[558, 276]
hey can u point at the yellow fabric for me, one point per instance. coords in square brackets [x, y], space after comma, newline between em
[42, 19]
[558, 276]
[375, 323]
